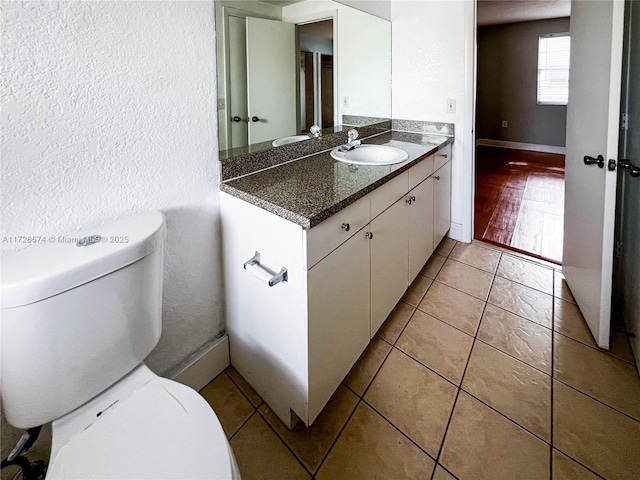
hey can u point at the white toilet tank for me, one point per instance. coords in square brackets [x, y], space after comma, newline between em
[78, 313]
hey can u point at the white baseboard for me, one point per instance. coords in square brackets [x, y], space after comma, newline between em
[455, 232]
[206, 366]
[532, 147]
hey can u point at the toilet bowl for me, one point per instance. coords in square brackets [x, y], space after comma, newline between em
[78, 319]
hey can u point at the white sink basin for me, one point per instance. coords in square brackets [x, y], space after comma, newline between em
[371, 155]
[287, 140]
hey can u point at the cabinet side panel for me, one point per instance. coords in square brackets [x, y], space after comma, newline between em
[338, 318]
[267, 326]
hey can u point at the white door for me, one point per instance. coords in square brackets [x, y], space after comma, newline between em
[592, 130]
[271, 79]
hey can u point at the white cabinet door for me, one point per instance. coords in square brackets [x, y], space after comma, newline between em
[420, 226]
[441, 203]
[389, 261]
[338, 318]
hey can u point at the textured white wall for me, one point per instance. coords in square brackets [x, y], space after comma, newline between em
[432, 61]
[363, 59]
[109, 109]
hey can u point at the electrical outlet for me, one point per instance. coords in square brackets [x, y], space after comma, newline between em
[451, 106]
[505, 124]
[345, 101]
[221, 104]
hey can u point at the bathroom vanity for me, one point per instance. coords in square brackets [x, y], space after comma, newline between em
[316, 255]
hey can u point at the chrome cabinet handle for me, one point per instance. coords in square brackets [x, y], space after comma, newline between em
[255, 119]
[369, 235]
[267, 276]
[443, 155]
[411, 199]
[346, 227]
[437, 177]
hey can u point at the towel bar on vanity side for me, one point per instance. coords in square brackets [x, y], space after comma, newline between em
[263, 274]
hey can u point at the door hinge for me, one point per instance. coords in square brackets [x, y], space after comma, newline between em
[625, 121]
[618, 248]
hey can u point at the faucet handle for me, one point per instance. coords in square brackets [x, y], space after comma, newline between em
[315, 129]
[352, 135]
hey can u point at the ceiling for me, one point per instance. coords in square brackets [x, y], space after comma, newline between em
[495, 12]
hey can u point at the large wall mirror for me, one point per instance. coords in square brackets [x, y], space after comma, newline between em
[284, 66]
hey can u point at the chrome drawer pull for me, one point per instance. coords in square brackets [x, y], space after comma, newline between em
[264, 274]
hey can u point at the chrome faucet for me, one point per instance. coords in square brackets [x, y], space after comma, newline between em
[351, 141]
[314, 131]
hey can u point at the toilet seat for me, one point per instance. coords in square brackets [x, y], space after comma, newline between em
[163, 430]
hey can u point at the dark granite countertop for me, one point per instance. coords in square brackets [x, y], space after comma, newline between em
[309, 190]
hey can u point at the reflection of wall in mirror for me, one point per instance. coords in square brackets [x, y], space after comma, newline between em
[362, 61]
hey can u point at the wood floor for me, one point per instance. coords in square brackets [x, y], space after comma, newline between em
[519, 201]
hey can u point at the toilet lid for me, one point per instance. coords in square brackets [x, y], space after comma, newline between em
[164, 431]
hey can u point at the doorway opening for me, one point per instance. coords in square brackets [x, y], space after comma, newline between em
[315, 47]
[520, 131]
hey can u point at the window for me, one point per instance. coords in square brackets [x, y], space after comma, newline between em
[553, 69]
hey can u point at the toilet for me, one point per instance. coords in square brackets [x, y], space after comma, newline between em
[79, 316]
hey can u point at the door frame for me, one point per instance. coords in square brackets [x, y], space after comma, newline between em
[226, 13]
[314, 18]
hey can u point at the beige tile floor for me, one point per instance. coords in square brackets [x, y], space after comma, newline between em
[485, 370]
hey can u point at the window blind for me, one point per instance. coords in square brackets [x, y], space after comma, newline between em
[553, 69]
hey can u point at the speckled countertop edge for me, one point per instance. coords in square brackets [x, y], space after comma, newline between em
[309, 190]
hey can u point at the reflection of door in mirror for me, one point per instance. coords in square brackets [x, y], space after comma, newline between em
[315, 41]
[262, 80]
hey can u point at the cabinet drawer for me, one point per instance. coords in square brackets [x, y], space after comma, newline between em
[420, 172]
[327, 236]
[384, 196]
[441, 157]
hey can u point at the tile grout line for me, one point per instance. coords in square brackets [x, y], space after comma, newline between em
[494, 409]
[514, 358]
[597, 349]
[598, 400]
[462, 291]
[259, 413]
[335, 440]
[553, 380]
[578, 462]
[242, 425]
[399, 431]
[455, 402]
[241, 390]
[553, 373]
[360, 400]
